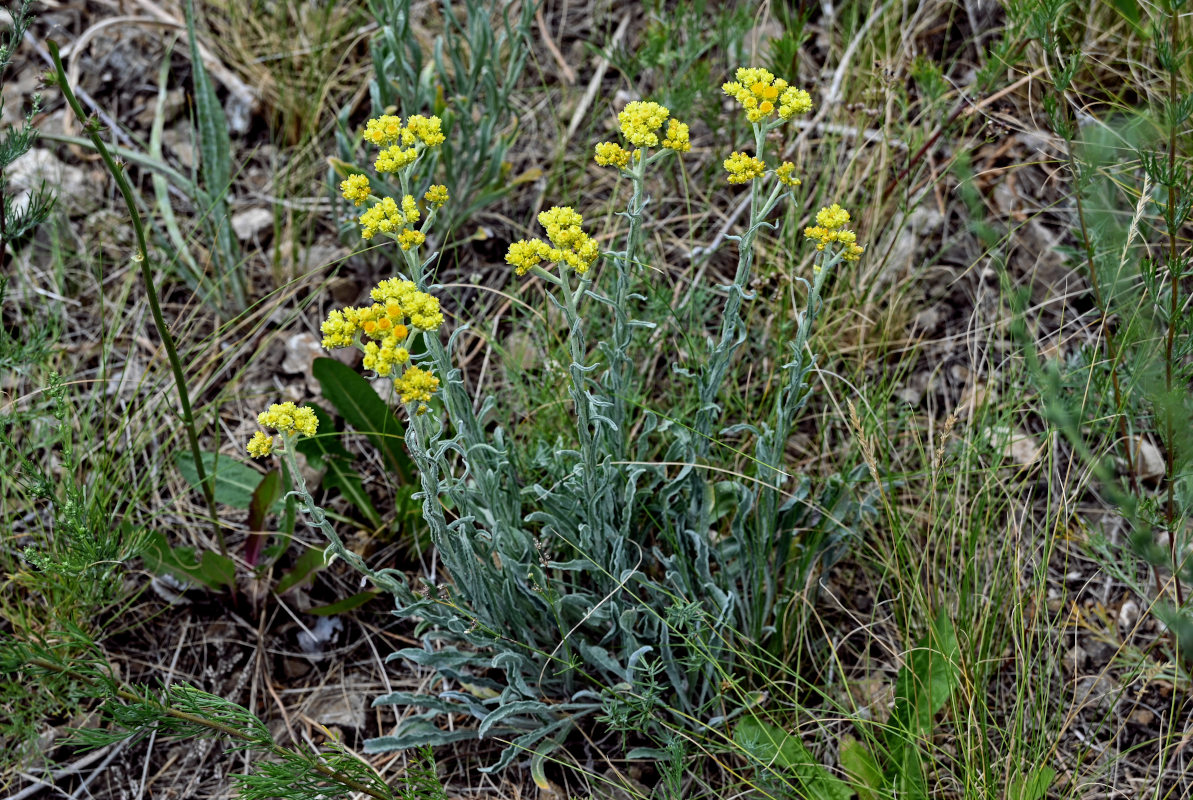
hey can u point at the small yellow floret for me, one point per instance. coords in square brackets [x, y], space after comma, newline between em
[260, 445]
[743, 168]
[356, 188]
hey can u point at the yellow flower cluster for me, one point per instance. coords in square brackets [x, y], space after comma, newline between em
[416, 385]
[436, 196]
[410, 238]
[388, 130]
[260, 445]
[287, 419]
[761, 94]
[394, 158]
[641, 121]
[569, 244]
[743, 168]
[382, 333]
[611, 154]
[387, 217]
[356, 188]
[397, 301]
[829, 229]
[402, 144]
[677, 137]
[784, 173]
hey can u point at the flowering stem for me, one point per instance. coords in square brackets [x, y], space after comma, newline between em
[731, 322]
[142, 258]
[617, 352]
[318, 519]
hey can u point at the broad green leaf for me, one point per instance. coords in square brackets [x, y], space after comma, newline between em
[1031, 787]
[265, 497]
[364, 410]
[910, 783]
[267, 493]
[340, 606]
[1129, 10]
[326, 451]
[862, 768]
[775, 747]
[234, 480]
[210, 569]
[926, 682]
[307, 563]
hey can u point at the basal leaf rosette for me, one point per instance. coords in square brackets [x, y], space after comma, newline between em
[383, 332]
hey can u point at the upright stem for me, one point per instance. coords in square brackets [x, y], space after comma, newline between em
[142, 259]
[731, 321]
[619, 361]
[1174, 274]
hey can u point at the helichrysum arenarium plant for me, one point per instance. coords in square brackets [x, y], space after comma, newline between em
[587, 581]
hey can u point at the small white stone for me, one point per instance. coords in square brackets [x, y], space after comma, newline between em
[1128, 615]
[251, 222]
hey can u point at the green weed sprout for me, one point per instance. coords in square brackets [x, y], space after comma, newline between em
[590, 582]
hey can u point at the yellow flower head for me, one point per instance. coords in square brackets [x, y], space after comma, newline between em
[525, 254]
[761, 94]
[286, 418]
[394, 158]
[436, 196]
[388, 130]
[386, 217]
[426, 129]
[260, 445]
[570, 245]
[416, 385]
[677, 137]
[832, 217]
[409, 238]
[401, 299]
[743, 168]
[356, 188]
[829, 230]
[784, 173]
[611, 154]
[339, 329]
[640, 122]
[384, 130]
